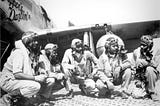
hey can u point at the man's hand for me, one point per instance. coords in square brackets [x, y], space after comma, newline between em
[52, 75]
[50, 80]
[116, 72]
[90, 76]
[40, 78]
[140, 63]
[60, 76]
[44, 72]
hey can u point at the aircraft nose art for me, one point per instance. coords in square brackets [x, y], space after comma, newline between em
[25, 14]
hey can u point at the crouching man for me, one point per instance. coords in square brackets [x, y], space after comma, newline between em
[76, 63]
[50, 66]
[146, 68]
[115, 65]
[81, 67]
[18, 75]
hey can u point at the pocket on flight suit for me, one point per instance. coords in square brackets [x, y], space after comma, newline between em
[5, 77]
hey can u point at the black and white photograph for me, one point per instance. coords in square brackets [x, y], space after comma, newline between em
[80, 53]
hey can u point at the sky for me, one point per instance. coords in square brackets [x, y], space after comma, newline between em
[85, 12]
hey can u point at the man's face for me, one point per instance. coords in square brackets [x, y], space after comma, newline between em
[34, 46]
[54, 53]
[113, 49]
[51, 54]
[146, 43]
[79, 47]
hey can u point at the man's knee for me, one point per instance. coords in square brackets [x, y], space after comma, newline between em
[31, 88]
[35, 85]
[108, 85]
[150, 70]
[127, 76]
[100, 84]
[128, 72]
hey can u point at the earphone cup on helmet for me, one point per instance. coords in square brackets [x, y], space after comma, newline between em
[48, 53]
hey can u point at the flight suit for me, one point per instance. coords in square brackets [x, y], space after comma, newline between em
[87, 68]
[56, 78]
[150, 71]
[19, 61]
[110, 64]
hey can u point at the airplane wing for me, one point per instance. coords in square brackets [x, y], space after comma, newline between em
[19, 16]
[129, 32]
[64, 36]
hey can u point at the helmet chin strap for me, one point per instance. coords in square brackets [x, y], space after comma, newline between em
[112, 54]
[149, 47]
[35, 50]
[79, 51]
[54, 60]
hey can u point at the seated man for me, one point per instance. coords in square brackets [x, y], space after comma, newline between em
[81, 66]
[115, 65]
[18, 74]
[75, 62]
[49, 65]
[146, 68]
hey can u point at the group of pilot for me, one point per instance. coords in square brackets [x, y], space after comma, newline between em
[33, 73]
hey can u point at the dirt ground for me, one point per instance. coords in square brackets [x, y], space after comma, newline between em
[82, 100]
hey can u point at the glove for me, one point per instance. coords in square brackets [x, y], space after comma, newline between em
[60, 76]
[90, 76]
[52, 75]
[117, 72]
[140, 63]
[40, 78]
[50, 80]
[42, 71]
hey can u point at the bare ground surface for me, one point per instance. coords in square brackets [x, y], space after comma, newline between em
[82, 100]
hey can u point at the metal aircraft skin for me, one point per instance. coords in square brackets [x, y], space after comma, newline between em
[19, 16]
